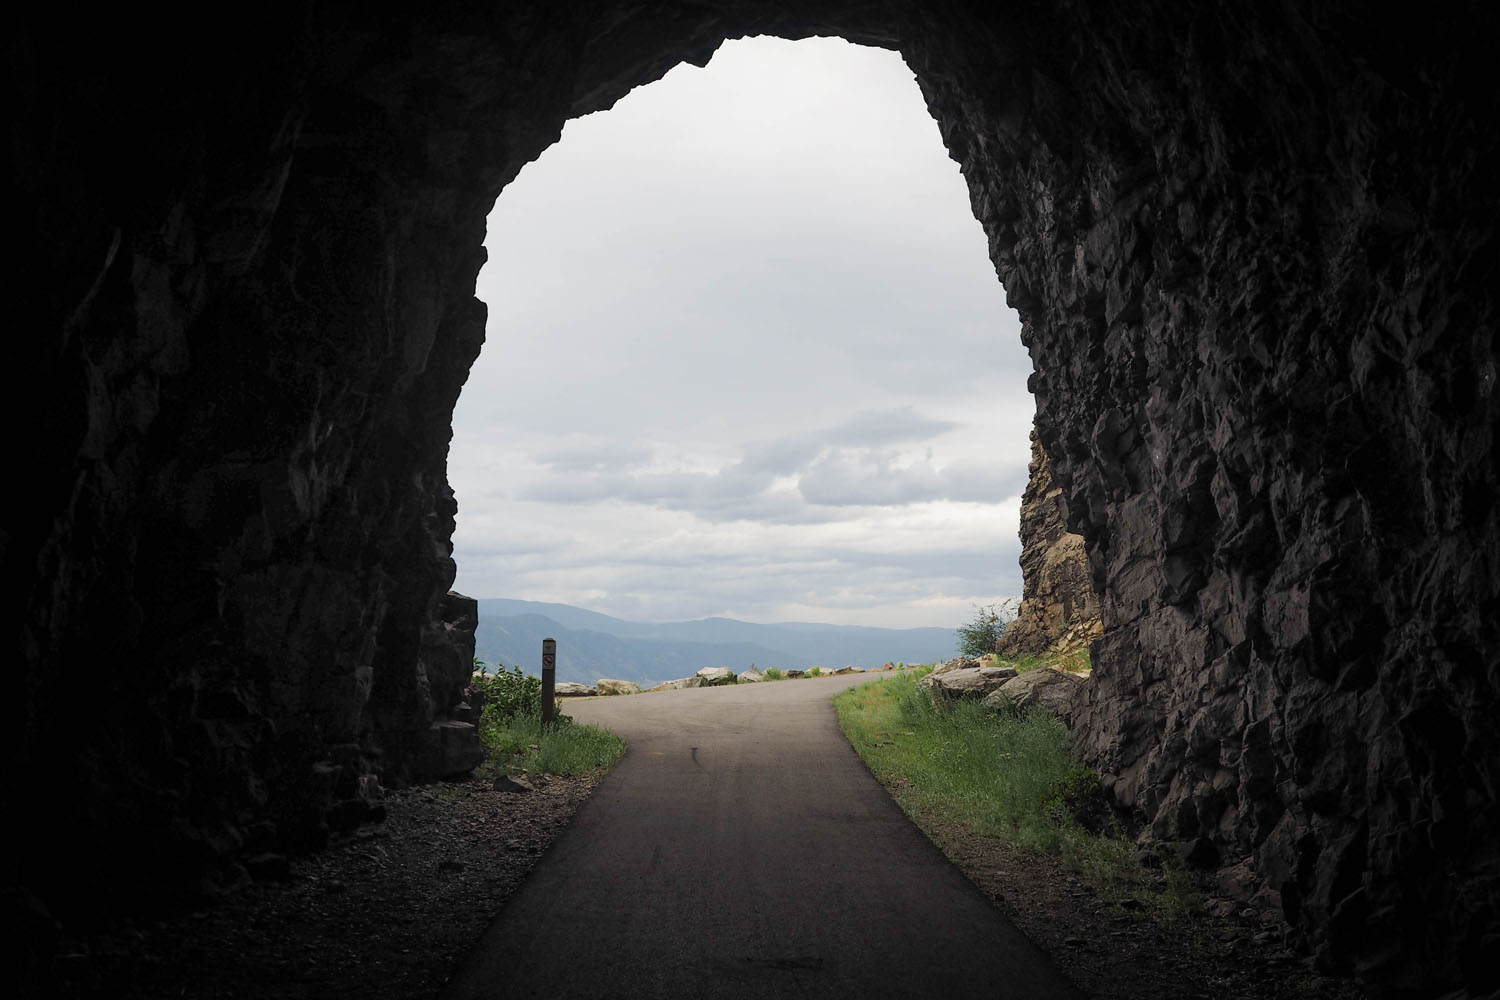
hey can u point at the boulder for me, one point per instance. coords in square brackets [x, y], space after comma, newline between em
[714, 676]
[957, 663]
[610, 686]
[967, 682]
[796, 672]
[845, 670]
[752, 676]
[1047, 689]
[887, 665]
[679, 684]
[568, 689]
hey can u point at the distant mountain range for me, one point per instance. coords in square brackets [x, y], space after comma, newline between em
[591, 645]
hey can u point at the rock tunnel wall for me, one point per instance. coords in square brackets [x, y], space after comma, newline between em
[1059, 610]
[1254, 250]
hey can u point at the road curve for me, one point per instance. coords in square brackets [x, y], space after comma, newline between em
[742, 850]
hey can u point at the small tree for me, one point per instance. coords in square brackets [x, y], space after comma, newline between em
[982, 635]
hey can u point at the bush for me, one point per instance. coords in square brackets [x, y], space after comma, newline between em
[511, 728]
[507, 692]
[982, 635]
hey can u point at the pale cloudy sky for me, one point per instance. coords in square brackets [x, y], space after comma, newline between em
[746, 356]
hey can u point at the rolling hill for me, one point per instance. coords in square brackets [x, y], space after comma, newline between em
[591, 645]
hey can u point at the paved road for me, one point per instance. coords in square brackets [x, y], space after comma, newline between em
[741, 850]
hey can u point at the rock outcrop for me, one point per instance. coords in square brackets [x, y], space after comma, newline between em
[1059, 607]
[714, 676]
[1253, 247]
[1050, 690]
[608, 686]
[967, 682]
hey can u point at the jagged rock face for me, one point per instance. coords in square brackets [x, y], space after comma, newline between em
[1254, 250]
[1059, 609]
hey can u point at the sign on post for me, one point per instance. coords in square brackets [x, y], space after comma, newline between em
[549, 679]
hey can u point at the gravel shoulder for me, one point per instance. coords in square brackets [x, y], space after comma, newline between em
[1116, 949]
[385, 915]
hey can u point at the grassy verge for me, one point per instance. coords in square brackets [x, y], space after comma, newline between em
[511, 729]
[1010, 776]
[571, 749]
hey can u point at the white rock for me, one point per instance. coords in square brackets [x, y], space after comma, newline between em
[1050, 690]
[679, 684]
[967, 682]
[957, 663]
[714, 676]
[610, 686]
[752, 676]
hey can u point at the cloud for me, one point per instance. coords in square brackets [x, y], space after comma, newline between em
[875, 428]
[826, 470]
[596, 456]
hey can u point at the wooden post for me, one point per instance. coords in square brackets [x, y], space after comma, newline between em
[549, 680]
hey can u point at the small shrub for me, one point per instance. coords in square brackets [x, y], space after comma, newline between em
[511, 728]
[982, 635]
[508, 692]
[775, 674]
[815, 672]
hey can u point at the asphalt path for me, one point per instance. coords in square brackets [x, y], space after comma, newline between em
[742, 850]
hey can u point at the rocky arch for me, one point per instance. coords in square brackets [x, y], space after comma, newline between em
[1254, 249]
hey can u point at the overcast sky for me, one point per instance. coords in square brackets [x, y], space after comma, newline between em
[746, 356]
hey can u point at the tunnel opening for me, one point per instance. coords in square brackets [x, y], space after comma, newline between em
[746, 357]
[1253, 250]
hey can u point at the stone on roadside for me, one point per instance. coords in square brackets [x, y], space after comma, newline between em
[1045, 688]
[714, 676]
[796, 672]
[887, 665]
[679, 684]
[845, 670]
[506, 783]
[967, 682]
[957, 663]
[752, 676]
[568, 689]
[610, 686]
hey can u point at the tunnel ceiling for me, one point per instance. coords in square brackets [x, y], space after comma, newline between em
[1254, 251]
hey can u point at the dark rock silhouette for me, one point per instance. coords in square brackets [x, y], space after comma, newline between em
[1254, 249]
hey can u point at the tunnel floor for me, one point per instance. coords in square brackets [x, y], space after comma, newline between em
[393, 911]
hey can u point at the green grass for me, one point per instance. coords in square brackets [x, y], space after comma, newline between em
[1011, 776]
[775, 674]
[512, 731]
[1074, 662]
[564, 747]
